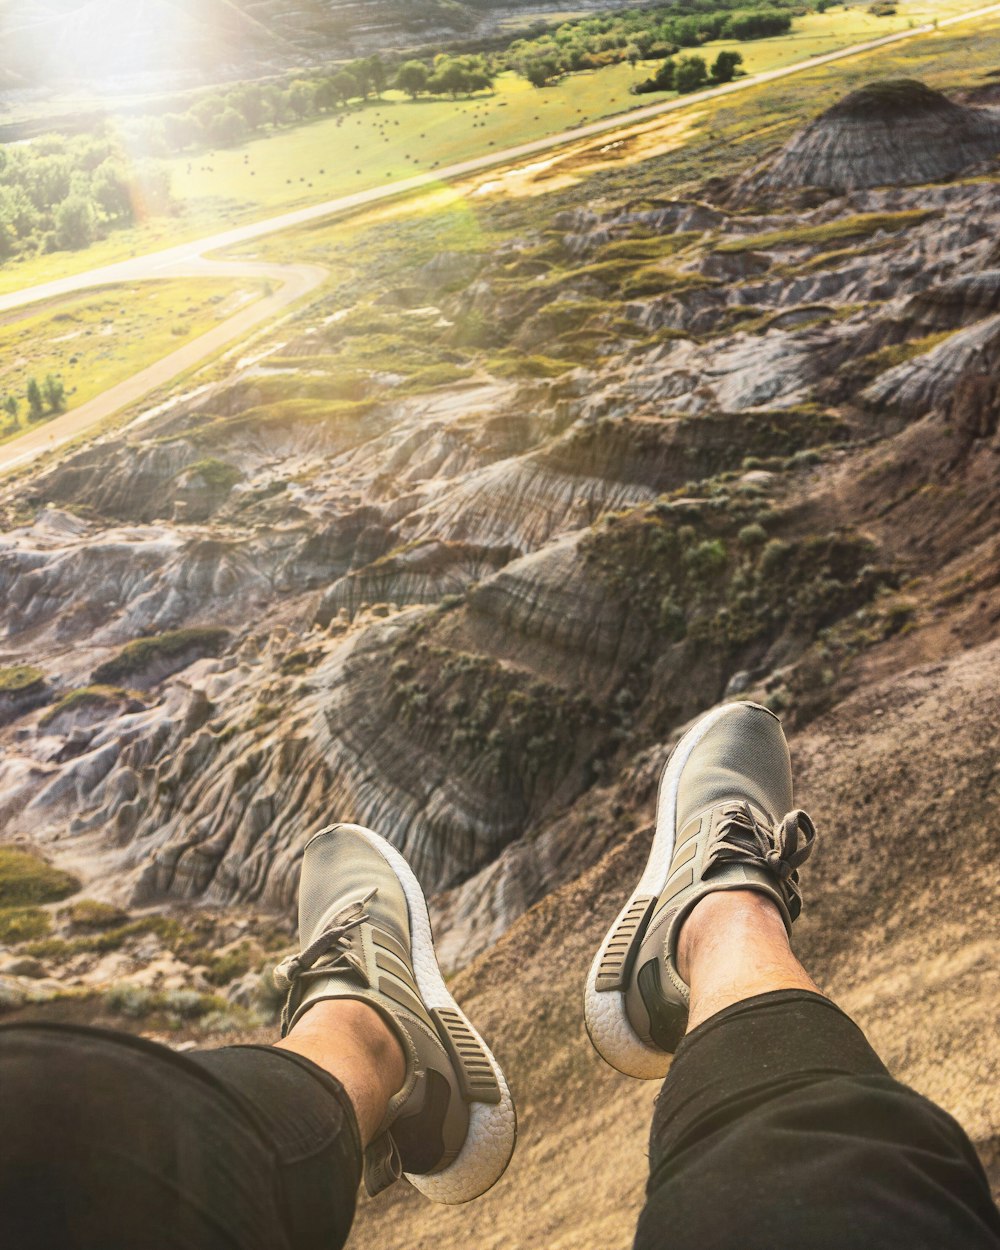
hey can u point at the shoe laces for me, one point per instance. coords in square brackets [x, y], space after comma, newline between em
[780, 848]
[332, 947]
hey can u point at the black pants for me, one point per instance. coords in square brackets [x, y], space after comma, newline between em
[778, 1127]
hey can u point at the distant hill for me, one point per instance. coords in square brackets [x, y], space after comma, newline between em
[52, 41]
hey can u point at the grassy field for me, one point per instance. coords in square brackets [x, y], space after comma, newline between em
[396, 138]
[97, 338]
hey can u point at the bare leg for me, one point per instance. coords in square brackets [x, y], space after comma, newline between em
[352, 1042]
[732, 946]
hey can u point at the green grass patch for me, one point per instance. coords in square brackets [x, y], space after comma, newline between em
[19, 678]
[22, 924]
[87, 696]
[139, 655]
[428, 377]
[899, 353]
[216, 474]
[652, 280]
[514, 365]
[859, 226]
[89, 915]
[94, 340]
[27, 880]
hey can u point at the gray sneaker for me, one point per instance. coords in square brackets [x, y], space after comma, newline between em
[720, 825]
[365, 934]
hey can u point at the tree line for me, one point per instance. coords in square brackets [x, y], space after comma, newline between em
[650, 34]
[58, 193]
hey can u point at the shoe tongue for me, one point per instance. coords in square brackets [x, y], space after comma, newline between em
[383, 1166]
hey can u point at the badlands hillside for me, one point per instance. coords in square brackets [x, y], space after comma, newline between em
[459, 550]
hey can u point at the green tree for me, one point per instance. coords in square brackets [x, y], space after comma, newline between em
[451, 77]
[540, 70]
[248, 100]
[376, 73]
[75, 222]
[207, 109]
[662, 80]
[227, 129]
[112, 190]
[345, 85]
[690, 73]
[181, 130]
[11, 407]
[55, 393]
[36, 405]
[301, 95]
[360, 71]
[411, 77]
[725, 66]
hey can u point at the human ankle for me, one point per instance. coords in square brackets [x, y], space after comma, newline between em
[351, 1040]
[728, 916]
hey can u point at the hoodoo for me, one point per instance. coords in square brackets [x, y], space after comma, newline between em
[894, 133]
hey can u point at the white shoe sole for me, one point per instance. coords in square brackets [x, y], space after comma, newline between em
[492, 1134]
[608, 1025]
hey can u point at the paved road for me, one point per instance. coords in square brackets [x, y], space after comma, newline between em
[187, 259]
[294, 282]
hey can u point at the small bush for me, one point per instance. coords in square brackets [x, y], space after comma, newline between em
[216, 474]
[26, 880]
[225, 968]
[90, 916]
[140, 654]
[87, 696]
[19, 678]
[23, 924]
[752, 535]
[133, 1001]
[773, 556]
[707, 558]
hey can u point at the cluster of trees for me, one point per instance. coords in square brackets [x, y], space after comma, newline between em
[59, 193]
[449, 75]
[224, 119]
[690, 73]
[47, 396]
[646, 35]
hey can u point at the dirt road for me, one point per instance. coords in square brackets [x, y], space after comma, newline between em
[188, 259]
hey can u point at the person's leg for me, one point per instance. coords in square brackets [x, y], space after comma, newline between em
[777, 1124]
[351, 1041]
[111, 1142]
[734, 946]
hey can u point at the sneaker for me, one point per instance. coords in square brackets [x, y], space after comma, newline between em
[365, 934]
[720, 825]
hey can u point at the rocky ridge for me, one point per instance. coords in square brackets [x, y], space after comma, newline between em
[631, 459]
[889, 133]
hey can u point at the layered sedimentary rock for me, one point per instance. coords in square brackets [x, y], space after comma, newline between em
[471, 615]
[894, 133]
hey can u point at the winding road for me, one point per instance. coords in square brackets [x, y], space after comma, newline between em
[298, 281]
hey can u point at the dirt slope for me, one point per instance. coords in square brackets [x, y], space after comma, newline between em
[895, 929]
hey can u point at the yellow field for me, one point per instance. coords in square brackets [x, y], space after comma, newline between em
[95, 339]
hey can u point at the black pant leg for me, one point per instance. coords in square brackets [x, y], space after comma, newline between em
[778, 1126]
[110, 1142]
[309, 1123]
